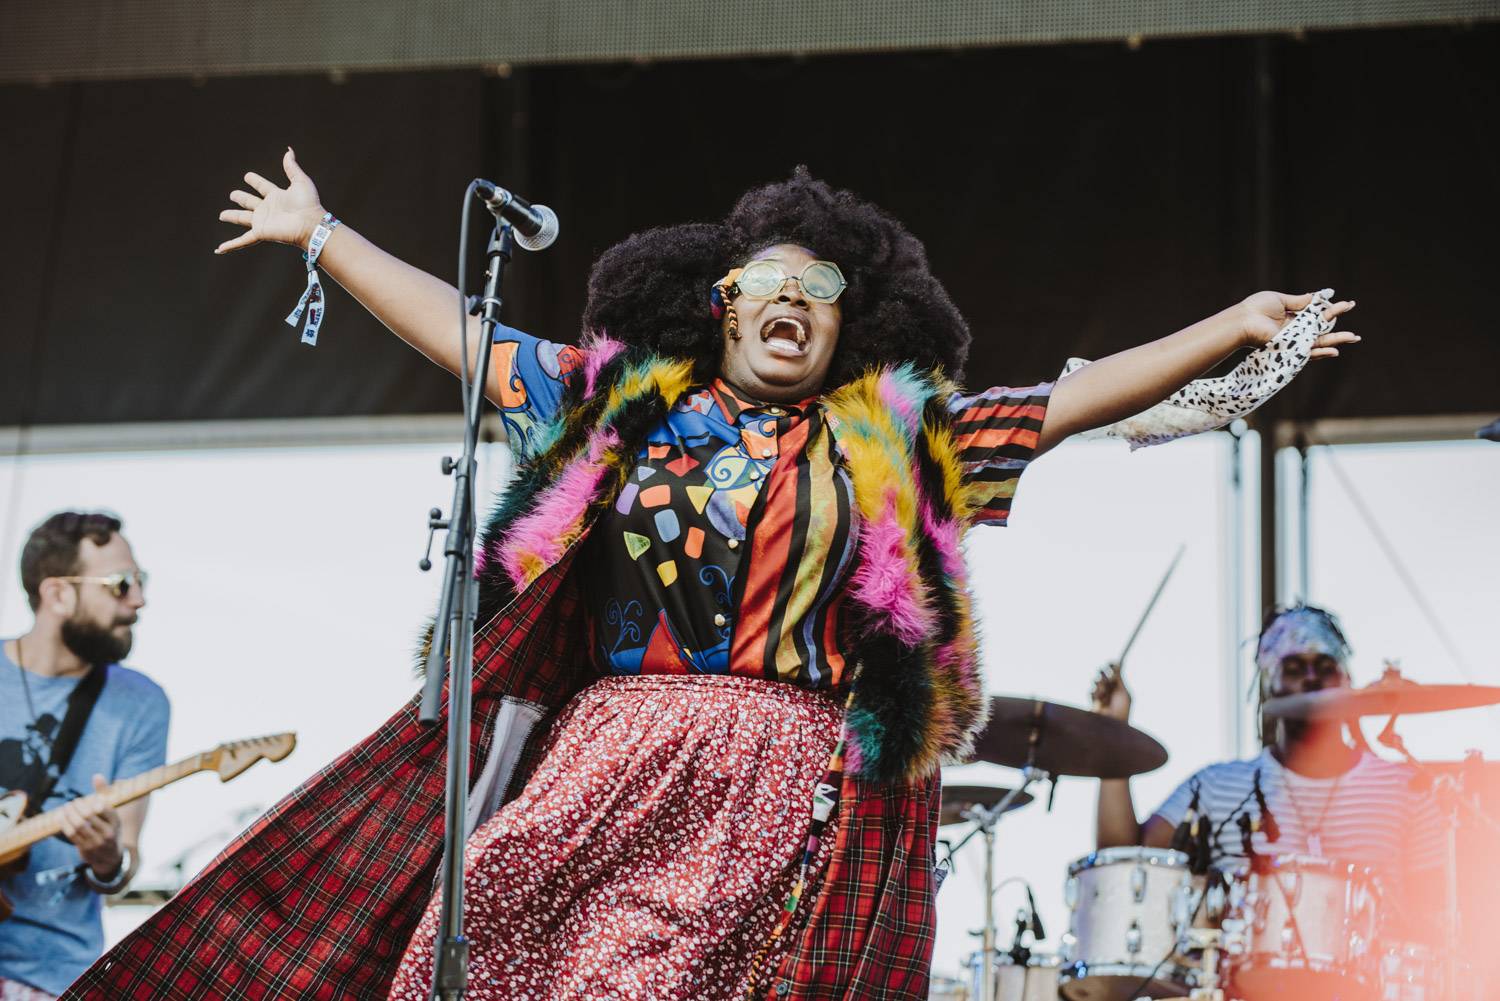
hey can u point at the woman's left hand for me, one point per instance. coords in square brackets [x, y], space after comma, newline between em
[1265, 313]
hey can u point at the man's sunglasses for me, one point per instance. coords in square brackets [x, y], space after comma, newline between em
[821, 281]
[117, 584]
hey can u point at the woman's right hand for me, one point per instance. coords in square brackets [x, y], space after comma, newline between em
[274, 215]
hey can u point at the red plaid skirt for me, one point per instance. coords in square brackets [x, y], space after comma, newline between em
[650, 852]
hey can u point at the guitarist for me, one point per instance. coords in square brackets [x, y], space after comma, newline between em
[71, 721]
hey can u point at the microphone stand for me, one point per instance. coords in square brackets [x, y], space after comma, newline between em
[453, 631]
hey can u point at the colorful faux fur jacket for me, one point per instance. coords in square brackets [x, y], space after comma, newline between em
[319, 898]
[916, 697]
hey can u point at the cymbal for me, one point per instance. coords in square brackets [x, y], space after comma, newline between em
[1386, 697]
[1064, 740]
[957, 799]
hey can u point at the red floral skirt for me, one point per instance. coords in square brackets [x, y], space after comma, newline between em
[651, 852]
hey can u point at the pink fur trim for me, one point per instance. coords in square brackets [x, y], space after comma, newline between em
[545, 532]
[944, 536]
[854, 757]
[886, 580]
[599, 349]
[900, 401]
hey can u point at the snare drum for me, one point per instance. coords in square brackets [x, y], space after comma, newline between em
[1127, 907]
[1309, 928]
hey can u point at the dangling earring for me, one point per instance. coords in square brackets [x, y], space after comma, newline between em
[721, 303]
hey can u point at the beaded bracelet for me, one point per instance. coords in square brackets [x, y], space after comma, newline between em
[312, 297]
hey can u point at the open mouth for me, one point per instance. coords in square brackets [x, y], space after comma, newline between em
[785, 336]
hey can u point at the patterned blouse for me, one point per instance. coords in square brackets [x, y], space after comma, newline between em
[729, 549]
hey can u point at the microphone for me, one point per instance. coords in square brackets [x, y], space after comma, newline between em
[1267, 818]
[1036, 919]
[535, 225]
[1203, 847]
[1182, 835]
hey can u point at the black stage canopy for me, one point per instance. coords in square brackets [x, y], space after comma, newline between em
[1076, 199]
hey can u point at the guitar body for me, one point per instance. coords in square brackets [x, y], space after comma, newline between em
[12, 809]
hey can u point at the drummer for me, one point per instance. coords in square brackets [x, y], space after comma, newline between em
[1320, 795]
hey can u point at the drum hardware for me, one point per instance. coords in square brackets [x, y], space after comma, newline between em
[1447, 792]
[985, 818]
[1210, 942]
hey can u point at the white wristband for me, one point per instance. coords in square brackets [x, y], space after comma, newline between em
[127, 859]
[312, 298]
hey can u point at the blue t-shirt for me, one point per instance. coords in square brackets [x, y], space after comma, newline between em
[56, 932]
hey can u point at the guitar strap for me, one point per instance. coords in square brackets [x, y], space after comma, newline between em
[80, 705]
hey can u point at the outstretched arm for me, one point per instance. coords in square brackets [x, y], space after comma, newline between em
[1124, 384]
[419, 308]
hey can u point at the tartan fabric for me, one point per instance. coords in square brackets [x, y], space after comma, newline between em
[871, 930]
[319, 897]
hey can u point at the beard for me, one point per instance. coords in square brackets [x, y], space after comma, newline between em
[95, 644]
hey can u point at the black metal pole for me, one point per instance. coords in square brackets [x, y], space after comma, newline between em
[453, 635]
[1263, 104]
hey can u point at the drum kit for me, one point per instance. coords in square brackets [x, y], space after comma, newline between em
[1144, 923]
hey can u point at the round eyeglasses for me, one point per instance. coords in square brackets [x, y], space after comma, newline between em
[820, 281]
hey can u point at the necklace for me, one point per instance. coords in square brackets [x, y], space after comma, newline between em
[25, 685]
[1314, 831]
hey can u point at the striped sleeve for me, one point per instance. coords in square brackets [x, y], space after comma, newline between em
[529, 375]
[996, 433]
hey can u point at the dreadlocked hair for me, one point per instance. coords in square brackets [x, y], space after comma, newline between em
[651, 291]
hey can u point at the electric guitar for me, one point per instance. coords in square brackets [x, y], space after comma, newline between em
[17, 835]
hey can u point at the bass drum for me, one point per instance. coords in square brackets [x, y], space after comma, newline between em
[1128, 907]
[1036, 980]
[942, 988]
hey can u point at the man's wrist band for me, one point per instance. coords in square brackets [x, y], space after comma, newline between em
[115, 885]
[312, 298]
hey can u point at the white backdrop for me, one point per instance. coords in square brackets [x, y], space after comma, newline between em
[285, 596]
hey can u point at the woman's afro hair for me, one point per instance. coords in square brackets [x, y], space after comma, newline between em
[651, 290]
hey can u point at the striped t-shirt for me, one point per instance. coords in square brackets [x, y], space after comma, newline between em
[1374, 815]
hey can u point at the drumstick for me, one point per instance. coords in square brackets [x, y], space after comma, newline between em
[1120, 663]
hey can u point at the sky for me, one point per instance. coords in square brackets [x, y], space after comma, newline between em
[285, 595]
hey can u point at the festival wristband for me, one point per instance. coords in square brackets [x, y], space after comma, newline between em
[312, 298]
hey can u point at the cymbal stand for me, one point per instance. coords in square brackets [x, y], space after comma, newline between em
[984, 819]
[1447, 793]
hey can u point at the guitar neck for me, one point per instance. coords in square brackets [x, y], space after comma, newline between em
[45, 825]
